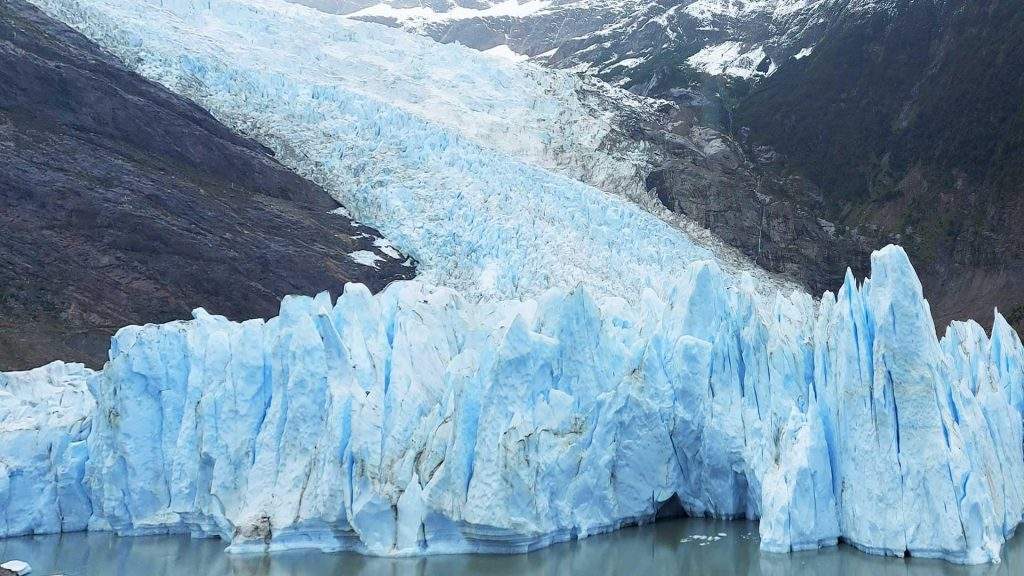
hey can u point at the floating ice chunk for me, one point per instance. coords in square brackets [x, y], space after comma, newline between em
[18, 567]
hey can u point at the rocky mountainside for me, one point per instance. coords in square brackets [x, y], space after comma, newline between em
[121, 203]
[695, 52]
[841, 125]
[910, 119]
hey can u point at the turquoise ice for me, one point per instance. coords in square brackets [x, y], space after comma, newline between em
[567, 363]
[417, 422]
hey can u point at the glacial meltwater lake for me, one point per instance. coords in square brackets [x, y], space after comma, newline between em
[683, 546]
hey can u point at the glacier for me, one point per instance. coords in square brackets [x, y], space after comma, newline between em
[566, 364]
[418, 421]
[45, 418]
[473, 166]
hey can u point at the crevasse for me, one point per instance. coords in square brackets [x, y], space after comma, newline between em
[417, 422]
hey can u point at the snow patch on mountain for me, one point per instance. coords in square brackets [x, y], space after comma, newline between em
[712, 9]
[420, 14]
[729, 59]
[803, 53]
[365, 257]
[503, 51]
[628, 62]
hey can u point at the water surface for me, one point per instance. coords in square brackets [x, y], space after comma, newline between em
[684, 546]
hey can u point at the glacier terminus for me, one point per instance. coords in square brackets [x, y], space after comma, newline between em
[418, 422]
[568, 361]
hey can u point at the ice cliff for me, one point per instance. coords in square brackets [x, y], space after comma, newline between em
[568, 363]
[45, 419]
[417, 422]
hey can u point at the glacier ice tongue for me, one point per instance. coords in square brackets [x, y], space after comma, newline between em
[417, 422]
[469, 165]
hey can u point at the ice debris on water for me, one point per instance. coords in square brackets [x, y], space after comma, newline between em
[17, 567]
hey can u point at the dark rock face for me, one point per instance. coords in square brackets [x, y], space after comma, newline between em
[121, 203]
[911, 121]
[773, 218]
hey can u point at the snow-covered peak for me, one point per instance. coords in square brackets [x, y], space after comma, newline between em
[600, 36]
[431, 12]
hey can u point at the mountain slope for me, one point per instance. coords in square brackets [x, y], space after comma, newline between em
[122, 203]
[909, 116]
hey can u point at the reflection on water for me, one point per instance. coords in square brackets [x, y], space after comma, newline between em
[685, 546]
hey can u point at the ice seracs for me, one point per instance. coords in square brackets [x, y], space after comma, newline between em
[45, 419]
[418, 422]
